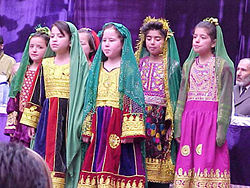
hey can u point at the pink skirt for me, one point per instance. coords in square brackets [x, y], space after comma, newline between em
[200, 162]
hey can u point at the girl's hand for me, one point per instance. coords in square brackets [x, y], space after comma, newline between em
[85, 139]
[31, 132]
[168, 134]
[178, 139]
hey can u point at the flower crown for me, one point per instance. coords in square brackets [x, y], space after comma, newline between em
[212, 20]
[165, 24]
[40, 29]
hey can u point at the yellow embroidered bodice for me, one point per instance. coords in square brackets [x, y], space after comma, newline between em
[108, 94]
[56, 78]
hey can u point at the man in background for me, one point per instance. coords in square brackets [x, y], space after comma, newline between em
[6, 64]
[238, 136]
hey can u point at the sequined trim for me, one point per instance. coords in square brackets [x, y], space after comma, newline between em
[199, 149]
[58, 179]
[108, 94]
[160, 170]
[30, 116]
[12, 119]
[185, 150]
[214, 178]
[114, 141]
[86, 127]
[133, 125]
[109, 180]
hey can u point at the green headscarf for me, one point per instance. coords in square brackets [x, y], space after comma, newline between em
[172, 73]
[17, 82]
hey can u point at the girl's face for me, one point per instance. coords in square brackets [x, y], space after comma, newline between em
[154, 42]
[58, 42]
[111, 43]
[202, 42]
[37, 49]
[84, 41]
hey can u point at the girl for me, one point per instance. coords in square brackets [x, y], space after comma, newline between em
[203, 111]
[22, 85]
[57, 98]
[89, 42]
[113, 115]
[160, 71]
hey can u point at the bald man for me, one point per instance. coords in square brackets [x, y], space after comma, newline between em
[238, 136]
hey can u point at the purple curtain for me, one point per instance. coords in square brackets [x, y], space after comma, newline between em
[19, 17]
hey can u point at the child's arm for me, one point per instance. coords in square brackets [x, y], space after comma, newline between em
[225, 104]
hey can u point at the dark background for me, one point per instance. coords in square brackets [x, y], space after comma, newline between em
[19, 17]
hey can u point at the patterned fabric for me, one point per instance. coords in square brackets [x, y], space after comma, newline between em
[108, 94]
[203, 83]
[200, 162]
[158, 163]
[152, 75]
[17, 130]
[27, 84]
[107, 158]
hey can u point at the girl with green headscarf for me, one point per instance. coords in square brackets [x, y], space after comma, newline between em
[114, 115]
[22, 85]
[203, 111]
[55, 106]
[159, 64]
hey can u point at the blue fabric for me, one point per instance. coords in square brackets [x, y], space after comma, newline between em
[238, 145]
[127, 160]
[40, 140]
[99, 118]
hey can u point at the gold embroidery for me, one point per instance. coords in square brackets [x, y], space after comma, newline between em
[185, 150]
[160, 170]
[111, 181]
[194, 179]
[12, 118]
[56, 79]
[30, 116]
[58, 182]
[133, 125]
[199, 149]
[86, 128]
[108, 94]
[114, 141]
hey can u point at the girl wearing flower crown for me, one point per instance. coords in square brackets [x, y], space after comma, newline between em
[22, 85]
[203, 111]
[159, 65]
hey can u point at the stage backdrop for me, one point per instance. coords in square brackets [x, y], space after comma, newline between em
[19, 17]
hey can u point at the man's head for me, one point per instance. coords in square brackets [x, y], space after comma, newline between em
[1, 42]
[243, 72]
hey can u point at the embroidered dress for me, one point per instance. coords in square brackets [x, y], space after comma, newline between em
[15, 110]
[108, 162]
[200, 162]
[50, 98]
[158, 164]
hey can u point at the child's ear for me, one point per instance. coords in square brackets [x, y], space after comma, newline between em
[214, 43]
